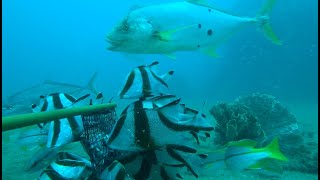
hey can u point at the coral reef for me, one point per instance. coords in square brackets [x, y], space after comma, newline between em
[235, 122]
[262, 117]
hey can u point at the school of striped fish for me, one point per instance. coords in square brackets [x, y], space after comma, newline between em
[157, 136]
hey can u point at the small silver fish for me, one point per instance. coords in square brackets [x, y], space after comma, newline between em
[242, 155]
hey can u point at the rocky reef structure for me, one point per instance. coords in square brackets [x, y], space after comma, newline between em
[262, 117]
[235, 122]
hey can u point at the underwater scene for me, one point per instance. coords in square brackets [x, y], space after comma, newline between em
[136, 90]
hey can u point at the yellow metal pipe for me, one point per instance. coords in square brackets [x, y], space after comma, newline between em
[19, 121]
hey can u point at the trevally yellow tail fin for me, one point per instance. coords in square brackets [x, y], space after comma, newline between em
[274, 150]
[263, 18]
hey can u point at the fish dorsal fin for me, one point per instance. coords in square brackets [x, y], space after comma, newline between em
[199, 114]
[205, 3]
[243, 143]
[154, 64]
[173, 103]
[202, 108]
[90, 84]
[99, 96]
[199, 2]
[81, 98]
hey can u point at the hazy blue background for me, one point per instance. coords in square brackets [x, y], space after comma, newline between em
[64, 40]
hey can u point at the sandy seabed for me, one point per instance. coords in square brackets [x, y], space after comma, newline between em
[14, 157]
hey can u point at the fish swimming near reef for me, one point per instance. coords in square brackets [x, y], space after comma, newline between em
[243, 155]
[142, 81]
[182, 26]
[19, 103]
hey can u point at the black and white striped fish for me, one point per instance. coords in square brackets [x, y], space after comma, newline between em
[115, 171]
[61, 131]
[170, 162]
[67, 166]
[144, 82]
[144, 126]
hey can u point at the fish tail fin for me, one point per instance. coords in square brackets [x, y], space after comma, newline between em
[91, 85]
[274, 150]
[263, 19]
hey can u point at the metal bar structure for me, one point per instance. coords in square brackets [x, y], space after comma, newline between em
[23, 120]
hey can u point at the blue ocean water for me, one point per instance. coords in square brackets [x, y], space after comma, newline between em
[65, 41]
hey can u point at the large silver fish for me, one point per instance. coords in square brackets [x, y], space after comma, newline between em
[182, 26]
[19, 103]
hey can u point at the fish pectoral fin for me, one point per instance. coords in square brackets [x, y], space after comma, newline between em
[167, 35]
[162, 36]
[211, 51]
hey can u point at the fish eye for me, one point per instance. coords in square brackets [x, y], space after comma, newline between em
[124, 26]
